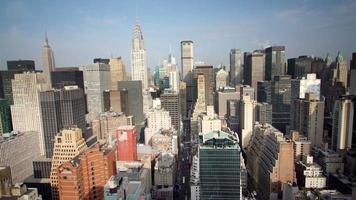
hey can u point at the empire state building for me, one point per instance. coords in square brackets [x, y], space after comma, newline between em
[48, 63]
[138, 57]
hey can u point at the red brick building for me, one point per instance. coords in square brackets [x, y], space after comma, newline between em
[84, 176]
[126, 143]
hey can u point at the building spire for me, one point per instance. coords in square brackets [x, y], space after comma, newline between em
[46, 39]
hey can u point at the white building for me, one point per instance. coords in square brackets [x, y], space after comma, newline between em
[18, 151]
[157, 119]
[174, 81]
[221, 79]
[138, 58]
[187, 56]
[309, 84]
[310, 174]
[209, 122]
[194, 179]
[247, 119]
[97, 79]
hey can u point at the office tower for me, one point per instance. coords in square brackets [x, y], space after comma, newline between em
[105, 125]
[236, 66]
[96, 81]
[117, 71]
[267, 141]
[101, 60]
[183, 98]
[264, 91]
[86, 175]
[135, 99]
[339, 70]
[147, 101]
[138, 58]
[208, 73]
[301, 66]
[5, 117]
[301, 144]
[21, 65]
[59, 109]
[274, 62]
[157, 119]
[343, 115]
[165, 170]
[18, 150]
[281, 100]
[233, 114]
[254, 69]
[263, 113]
[199, 106]
[187, 61]
[66, 76]
[247, 119]
[352, 83]
[174, 81]
[219, 156]
[68, 144]
[25, 112]
[187, 64]
[223, 96]
[209, 122]
[222, 78]
[126, 143]
[170, 102]
[48, 63]
[306, 84]
[246, 90]
[307, 117]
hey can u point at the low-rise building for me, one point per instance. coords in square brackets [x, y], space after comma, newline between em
[310, 174]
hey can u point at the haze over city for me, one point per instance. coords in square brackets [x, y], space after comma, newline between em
[79, 30]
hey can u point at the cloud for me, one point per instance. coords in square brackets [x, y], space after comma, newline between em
[347, 7]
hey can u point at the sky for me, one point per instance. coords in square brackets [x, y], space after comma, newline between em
[79, 30]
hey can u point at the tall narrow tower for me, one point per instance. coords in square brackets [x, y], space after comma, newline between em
[138, 57]
[48, 63]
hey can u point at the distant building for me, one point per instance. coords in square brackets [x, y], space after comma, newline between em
[170, 102]
[281, 100]
[117, 72]
[106, 124]
[307, 117]
[126, 143]
[135, 100]
[18, 150]
[86, 175]
[343, 115]
[96, 81]
[67, 76]
[68, 144]
[330, 161]
[236, 66]
[247, 120]
[309, 84]
[267, 141]
[157, 119]
[21, 65]
[352, 81]
[138, 57]
[48, 62]
[208, 73]
[263, 113]
[264, 90]
[299, 67]
[301, 144]
[275, 62]
[222, 98]
[5, 117]
[209, 122]
[183, 99]
[221, 78]
[165, 170]
[212, 167]
[187, 64]
[254, 68]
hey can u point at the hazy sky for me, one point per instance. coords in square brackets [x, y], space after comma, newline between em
[78, 31]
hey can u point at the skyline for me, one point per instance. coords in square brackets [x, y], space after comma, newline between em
[305, 28]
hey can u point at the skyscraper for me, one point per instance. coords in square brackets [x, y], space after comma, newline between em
[67, 144]
[254, 69]
[126, 143]
[306, 84]
[307, 117]
[219, 165]
[117, 72]
[96, 81]
[138, 57]
[343, 114]
[59, 109]
[223, 96]
[247, 119]
[25, 111]
[170, 102]
[208, 73]
[222, 78]
[21, 65]
[275, 62]
[134, 98]
[187, 61]
[263, 113]
[352, 83]
[264, 91]
[48, 62]
[281, 100]
[66, 76]
[339, 70]
[236, 66]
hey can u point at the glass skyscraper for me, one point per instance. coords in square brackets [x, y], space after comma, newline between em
[219, 169]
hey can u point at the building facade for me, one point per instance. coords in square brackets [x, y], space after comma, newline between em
[139, 58]
[117, 72]
[126, 143]
[275, 62]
